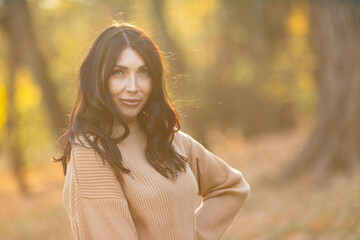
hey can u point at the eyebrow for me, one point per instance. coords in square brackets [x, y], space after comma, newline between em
[124, 67]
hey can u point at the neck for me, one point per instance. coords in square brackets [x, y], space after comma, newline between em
[133, 125]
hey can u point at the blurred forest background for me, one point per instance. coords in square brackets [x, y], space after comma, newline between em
[272, 87]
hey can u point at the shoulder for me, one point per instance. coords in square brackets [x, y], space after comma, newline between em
[83, 155]
[183, 138]
[187, 141]
[93, 175]
[187, 144]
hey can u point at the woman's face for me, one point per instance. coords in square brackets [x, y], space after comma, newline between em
[130, 84]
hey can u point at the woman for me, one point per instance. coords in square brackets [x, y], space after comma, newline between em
[130, 172]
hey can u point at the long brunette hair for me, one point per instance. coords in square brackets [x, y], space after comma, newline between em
[94, 111]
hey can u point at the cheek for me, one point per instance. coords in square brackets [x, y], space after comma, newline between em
[114, 87]
[147, 88]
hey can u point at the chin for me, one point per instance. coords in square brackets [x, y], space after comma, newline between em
[129, 117]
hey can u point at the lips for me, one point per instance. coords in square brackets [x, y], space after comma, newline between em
[130, 101]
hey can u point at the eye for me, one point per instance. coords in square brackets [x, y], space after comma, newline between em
[144, 72]
[118, 72]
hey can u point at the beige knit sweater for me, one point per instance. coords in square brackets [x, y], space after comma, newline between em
[150, 206]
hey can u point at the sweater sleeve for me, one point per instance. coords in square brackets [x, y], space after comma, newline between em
[223, 190]
[94, 199]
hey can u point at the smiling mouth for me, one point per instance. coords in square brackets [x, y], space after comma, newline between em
[130, 102]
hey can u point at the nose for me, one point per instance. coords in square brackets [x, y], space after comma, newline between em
[131, 85]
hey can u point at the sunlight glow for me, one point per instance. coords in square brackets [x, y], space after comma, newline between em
[298, 21]
[2, 104]
[28, 94]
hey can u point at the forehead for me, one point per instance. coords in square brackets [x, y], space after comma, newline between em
[130, 58]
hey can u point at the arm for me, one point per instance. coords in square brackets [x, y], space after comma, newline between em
[94, 199]
[222, 188]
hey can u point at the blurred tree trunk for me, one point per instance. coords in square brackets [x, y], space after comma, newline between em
[335, 142]
[174, 57]
[15, 20]
[241, 101]
[12, 144]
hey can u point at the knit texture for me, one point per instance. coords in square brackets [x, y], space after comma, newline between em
[149, 206]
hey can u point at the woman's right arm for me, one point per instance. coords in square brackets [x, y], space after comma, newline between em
[94, 199]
